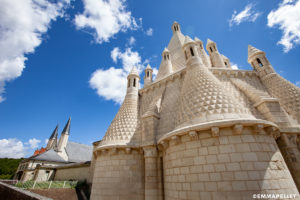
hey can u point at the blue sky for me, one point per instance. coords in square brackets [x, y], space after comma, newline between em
[70, 58]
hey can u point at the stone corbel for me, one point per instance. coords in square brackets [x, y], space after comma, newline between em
[113, 151]
[274, 132]
[193, 135]
[165, 144]
[259, 129]
[238, 129]
[176, 139]
[215, 131]
[128, 150]
[150, 151]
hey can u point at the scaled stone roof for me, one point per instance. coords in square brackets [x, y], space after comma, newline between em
[124, 124]
[203, 99]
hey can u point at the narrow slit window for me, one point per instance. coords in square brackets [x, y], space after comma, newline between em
[192, 52]
[134, 82]
[185, 55]
[164, 57]
[225, 63]
[259, 62]
[147, 73]
[210, 49]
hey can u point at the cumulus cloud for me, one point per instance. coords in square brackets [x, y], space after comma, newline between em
[234, 66]
[22, 25]
[34, 143]
[131, 41]
[246, 15]
[149, 32]
[154, 73]
[111, 83]
[287, 18]
[106, 18]
[14, 148]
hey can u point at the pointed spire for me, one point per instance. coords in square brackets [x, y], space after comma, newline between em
[54, 133]
[188, 40]
[197, 39]
[166, 50]
[209, 41]
[148, 67]
[134, 71]
[67, 127]
[253, 51]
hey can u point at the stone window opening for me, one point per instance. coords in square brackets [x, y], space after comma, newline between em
[259, 62]
[147, 73]
[225, 63]
[134, 82]
[185, 55]
[210, 49]
[164, 57]
[168, 56]
[192, 52]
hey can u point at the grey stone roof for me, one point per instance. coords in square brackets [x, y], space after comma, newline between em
[79, 152]
[76, 153]
[49, 155]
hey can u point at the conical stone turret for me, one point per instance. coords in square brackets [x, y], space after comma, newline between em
[203, 98]
[165, 68]
[123, 127]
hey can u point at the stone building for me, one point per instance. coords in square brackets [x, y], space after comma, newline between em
[201, 130]
[62, 160]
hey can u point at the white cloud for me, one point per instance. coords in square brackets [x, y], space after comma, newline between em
[234, 66]
[14, 148]
[131, 41]
[248, 14]
[298, 83]
[287, 18]
[22, 24]
[34, 143]
[111, 83]
[149, 32]
[106, 18]
[154, 73]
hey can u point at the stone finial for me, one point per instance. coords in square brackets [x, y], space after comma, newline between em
[175, 27]
[149, 67]
[252, 51]
[134, 71]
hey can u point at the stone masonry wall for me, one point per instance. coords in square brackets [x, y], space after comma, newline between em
[119, 175]
[225, 167]
[76, 173]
